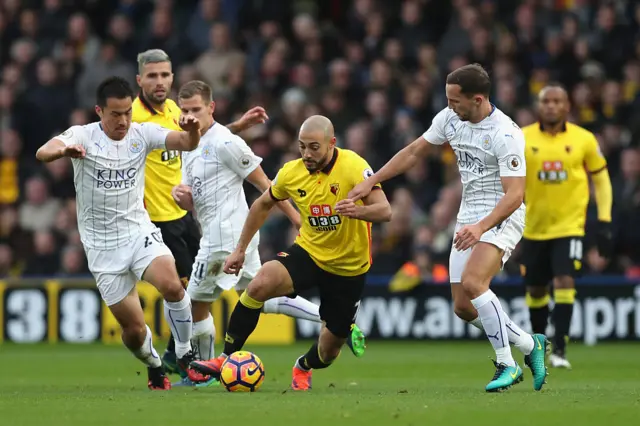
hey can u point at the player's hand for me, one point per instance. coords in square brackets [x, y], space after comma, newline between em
[467, 237]
[189, 123]
[74, 151]
[256, 115]
[347, 207]
[183, 196]
[604, 240]
[233, 263]
[361, 190]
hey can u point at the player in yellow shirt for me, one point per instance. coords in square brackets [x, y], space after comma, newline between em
[331, 253]
[179, 229]
[560, 156]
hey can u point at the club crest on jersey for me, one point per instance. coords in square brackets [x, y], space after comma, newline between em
[136, 146]
[334, 188]
[207, 152]
[514, 163]
[486, 142]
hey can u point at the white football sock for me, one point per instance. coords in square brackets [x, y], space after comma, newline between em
[494, 323]
[296, 308]
[204, 335]
[520, 338]
[147, 353]
[517, 336]
[178, 316]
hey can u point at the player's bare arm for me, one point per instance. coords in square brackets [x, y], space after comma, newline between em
[513, 197]
[376, 208]
[183, 196]
[256, 115]
[404, 160]
[259, 179]
[258, 214]
[56, 149]
[187, 140]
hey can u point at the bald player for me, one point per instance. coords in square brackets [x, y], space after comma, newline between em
[559, 157]
[332, 252]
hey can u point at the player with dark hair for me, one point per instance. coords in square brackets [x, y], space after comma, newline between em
[560, 157]
[332, 252]
[121, 243]
[489, 148]
[179, 229]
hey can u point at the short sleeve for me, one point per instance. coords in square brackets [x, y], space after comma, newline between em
[361, 171]
[593, 157]
[236, 154]
[154, 135]
[509, 150]
[436, 134]
[278, 189]
[74, 135]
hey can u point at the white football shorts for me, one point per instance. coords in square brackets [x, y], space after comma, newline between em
[117, 271]
[505, 236]
[208, 280]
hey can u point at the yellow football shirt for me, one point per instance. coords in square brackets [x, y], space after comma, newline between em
[163, 168]
[557, 191]
[337, 244]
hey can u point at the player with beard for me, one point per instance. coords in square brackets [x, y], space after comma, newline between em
[179, 229]
[560, 157]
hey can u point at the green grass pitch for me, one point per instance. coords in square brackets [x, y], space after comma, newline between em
[422, 383]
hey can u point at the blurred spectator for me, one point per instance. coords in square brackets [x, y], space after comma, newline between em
[45, 258]
[38, 212]
[73, 262]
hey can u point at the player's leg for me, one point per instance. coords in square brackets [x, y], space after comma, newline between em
[567, 263]
[153, 262]
[465, 310]
[537, 274]
[177, 235]
[339, 301]
[483, 264]
[137, 336]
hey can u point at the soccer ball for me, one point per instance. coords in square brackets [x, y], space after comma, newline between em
[242, 371]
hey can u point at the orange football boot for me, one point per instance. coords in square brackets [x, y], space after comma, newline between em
[158, 380]
[301, 379]
[211, 367]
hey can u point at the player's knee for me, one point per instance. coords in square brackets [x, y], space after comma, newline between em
[537, 292]
[474, 284]
[172, 290]
[268, 283]
[563, 281]
[259, 289]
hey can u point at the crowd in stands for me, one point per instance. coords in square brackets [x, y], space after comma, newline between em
[376, 68]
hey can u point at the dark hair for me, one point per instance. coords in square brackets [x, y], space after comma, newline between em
[113, 87]
[472, 79]
[193, 88]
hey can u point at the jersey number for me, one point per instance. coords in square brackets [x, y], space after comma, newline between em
[169, 155]
[324, 220]
[156, 236]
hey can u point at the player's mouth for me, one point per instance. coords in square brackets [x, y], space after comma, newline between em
[309, 164]
[160, 92]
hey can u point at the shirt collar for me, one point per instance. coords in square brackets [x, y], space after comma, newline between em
[327, 169]
[148, 106]
[563, 129]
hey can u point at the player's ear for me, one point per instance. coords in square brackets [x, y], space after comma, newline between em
[212, 105]
[138, 79]
[99, 111]
[332, 142]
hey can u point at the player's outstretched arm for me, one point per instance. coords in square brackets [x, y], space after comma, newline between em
[376, 208]
[56, 149]
[258, 214]
[404, 160]
[256, 115]
[259, 179]
[187, 140]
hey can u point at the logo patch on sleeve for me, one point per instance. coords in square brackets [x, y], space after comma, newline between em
[514, 163]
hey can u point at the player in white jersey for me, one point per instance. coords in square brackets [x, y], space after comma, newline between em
[489, 148]
[212, 179]
[121, 243]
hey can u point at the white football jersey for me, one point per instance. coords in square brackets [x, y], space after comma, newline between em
[485, 151]
[109, 182]
[216, 170]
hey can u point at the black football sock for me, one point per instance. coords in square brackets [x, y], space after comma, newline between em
[243, 321]
[538, 312]
[171, 346]
[562, 312]
[312, 360]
